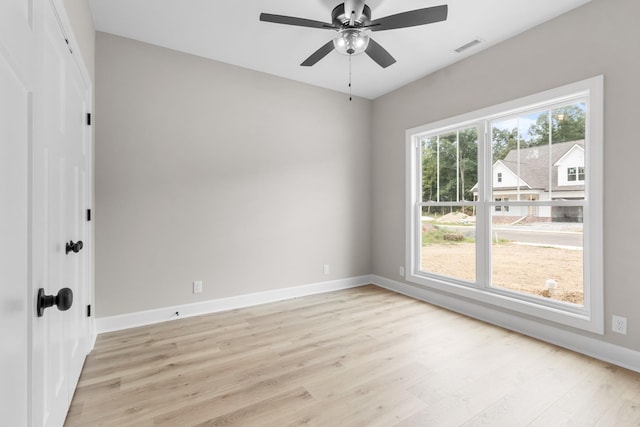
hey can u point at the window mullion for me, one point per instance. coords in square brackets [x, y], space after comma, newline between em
[550, 125]
[482, 214]
[417, 250]
[438, 168]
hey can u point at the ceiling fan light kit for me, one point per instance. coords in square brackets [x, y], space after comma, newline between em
[351, 41]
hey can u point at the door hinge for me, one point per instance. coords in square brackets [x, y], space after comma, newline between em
[89, 310]
[88, 215]
[88, 119]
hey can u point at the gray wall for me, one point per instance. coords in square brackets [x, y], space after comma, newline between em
[598, 38]
[206, 171]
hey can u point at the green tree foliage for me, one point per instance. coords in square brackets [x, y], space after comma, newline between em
[567, 124]
[468, 162]
[504, 140]
[430, 169]
[455, 168]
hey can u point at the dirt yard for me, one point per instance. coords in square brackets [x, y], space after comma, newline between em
[516, 267]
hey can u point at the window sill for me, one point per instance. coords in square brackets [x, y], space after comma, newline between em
[566, 314]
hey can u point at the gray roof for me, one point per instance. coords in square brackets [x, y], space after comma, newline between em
[534, 165]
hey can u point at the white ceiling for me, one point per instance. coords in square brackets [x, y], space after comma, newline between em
[230, 31]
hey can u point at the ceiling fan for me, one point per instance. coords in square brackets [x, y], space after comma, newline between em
[352, 21]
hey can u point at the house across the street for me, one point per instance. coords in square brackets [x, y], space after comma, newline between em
[523, 175]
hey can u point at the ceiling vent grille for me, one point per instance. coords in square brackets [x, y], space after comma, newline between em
[468, 45]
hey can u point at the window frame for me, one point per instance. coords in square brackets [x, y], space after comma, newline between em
[589, 316]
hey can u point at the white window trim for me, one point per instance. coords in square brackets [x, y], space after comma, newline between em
[589, 317]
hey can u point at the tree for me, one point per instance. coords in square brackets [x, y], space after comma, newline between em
[567, 124]
[504, 140]
[468, 162]
[429, 169]
[450, 166]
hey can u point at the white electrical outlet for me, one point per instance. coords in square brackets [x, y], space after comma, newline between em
[197, 286]
[401, 271]
[325, 269]
[619, 324]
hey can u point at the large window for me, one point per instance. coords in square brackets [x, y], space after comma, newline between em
[505, 205]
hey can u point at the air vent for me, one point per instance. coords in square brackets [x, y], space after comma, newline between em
[468, 45]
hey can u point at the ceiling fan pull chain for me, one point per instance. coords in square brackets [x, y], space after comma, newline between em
[350, 77]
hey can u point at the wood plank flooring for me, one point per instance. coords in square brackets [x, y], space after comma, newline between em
[359, 357]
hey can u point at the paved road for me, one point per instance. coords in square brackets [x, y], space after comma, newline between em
[550, 238]
[542, 237]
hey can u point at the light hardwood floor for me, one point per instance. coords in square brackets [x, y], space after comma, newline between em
[359, 357]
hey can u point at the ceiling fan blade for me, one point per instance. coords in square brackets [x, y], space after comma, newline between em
[411, 18]
[291, 20]
[318, 54]
[379, 54]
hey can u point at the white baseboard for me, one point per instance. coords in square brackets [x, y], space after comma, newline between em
[580, 343]
[148, 317]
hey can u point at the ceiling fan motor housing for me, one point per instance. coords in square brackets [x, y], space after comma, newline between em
[342, 19]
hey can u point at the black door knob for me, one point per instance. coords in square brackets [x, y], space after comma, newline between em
[63, 300]
[75, 247]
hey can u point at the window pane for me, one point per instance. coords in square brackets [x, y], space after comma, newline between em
[541, 255]
[450, 166]
[448, 242]
[430, 169]
[520, 159]
[568, 123]
[528, 164]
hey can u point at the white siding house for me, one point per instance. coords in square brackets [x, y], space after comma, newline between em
[539, 173]
[571, 167]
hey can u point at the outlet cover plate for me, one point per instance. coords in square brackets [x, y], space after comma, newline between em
[619, 324]
[197, 286]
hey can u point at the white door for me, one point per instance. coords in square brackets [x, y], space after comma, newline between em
[44, 192]
[17, 85]
[59, 202]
